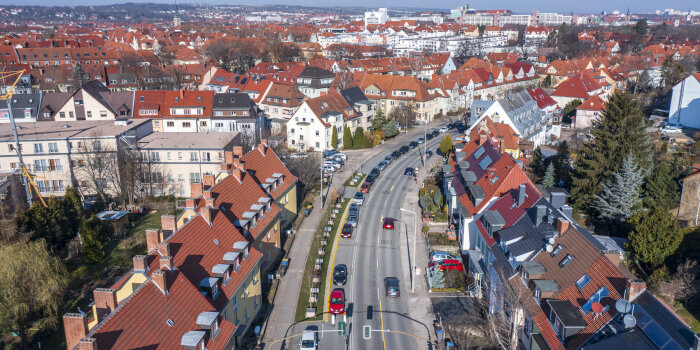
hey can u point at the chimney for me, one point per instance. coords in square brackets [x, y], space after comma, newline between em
[613, 256]
[160, 278]
[76, 327]
[238, 174]
[521, 195]
[166, 263]
[210, 203]
[196, 189]
[562, 226]
[265, 142]
[87, 344]
[207, 194]
[262, 147]
[237, 151]
[206, 213]
[224, 167]
[182, 93]
[482, 139]
[153, 237]
[539, 212]
[168, 224]
[105, 302]
[189, 203]
[140, 262]
[208, 181]
[163, 248]
[633, 288]
[228, 157]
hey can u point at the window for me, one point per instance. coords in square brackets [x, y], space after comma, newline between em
[97, 146]
[155, 156]
[63, 114]
[103, 114]
[484, 163]
[53, 147]
[70, 114]
[246, 314]
[141, 98]
[180, 178]
[596, 297]
[235, 310]
[170, 124]
[557, 250]
[193, 156]
[179, 155]
[186, 124]
[567, 259]
[479, 151]
[583, 281]
[38, 148]
[195, 178]
[169, 156]
[89, 114]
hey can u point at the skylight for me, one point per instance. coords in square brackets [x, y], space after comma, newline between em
[583, 281]
[479, 151]
[596, 297]
[484, 163]
[566, 260]
[557, 250]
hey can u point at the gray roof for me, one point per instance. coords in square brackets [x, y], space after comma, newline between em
[494, 218]
[205, 319]
[187, 140]
[353, 95]
[240, 245]
[232, 101]
[208, 282]
[524, 113]
[21, 103]
[73, 129]
[192, 338]
[219, 269]
[546, 285]
[112, 215]
[231, 256]
[534, 267]
[567, 313]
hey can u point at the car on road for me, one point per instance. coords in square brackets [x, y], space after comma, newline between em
[443, 129]
[671, 130]
[329, 153]
[382, 165]
[353, 208]
[435, 133]
[391, 285]
[359, 198]
[448, 264]
[439, 256]
[352, 219]
[374, 171]
[347, 231]
[309, 339]
[337, 303]
[428, 154]
[389, 158]
[429, 136]
[388, 223]
[403, 149]
[409, 171]
[341, 155]
[340, 275]
[335, 166]
[365, 187]
[420, 140]
[327, 168]
[413, 144]
[370, 179]
[395, 154]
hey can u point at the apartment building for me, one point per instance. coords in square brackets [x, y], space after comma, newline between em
[314, 81]
[183, 158]
[236, 112]
[94, 101]
[25, 108]
[395, 92]
[58, 154]
[280, 101]
[175, 111]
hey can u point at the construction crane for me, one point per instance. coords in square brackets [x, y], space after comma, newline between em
[27, 179]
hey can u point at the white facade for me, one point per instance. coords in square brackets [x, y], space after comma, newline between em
[305, 131]
[685, 103]
[376, 17]
[554, 19]
[515, 19]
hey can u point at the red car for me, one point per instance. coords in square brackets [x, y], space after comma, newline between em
[388, 223]
[365, 187]
[448, 264]
[337, 303]
[347, 231]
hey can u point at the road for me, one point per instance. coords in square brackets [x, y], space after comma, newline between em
[373, 254]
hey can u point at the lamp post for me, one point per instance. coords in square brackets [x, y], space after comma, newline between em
[415, 238]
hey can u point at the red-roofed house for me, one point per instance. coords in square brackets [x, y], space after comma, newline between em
[588, 111]
[578, 87]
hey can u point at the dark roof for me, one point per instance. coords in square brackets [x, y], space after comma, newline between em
[315, 73]
[663, 317]
[21, 102]
[353, 95]
[232, 100]
[633, 339]
[567, 313]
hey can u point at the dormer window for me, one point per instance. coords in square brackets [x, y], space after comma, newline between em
[214, 329]
[557, 250]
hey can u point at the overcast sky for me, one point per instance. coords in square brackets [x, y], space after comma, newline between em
[565, 6]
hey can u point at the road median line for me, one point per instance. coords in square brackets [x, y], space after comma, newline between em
[331, 265]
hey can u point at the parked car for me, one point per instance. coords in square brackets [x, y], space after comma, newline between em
[359, 198]
[671, 130]
[413, 144]
[409, 171]
[347, 231]
[327, 168]
[329, 153]
[443, 129]
[299, 156]
[436, 133]
[309, 339]
[395, 154]
[370, 179]
[388, 223]
[420, 140]
[403, 149]
[391, 285]
[354, 208]
[365, 187]
[340, 275]
[352, 219]
[342, 156]
[439, 256]
[335, 166]
[428, 154]
[374, 171]
[448, 264]
[429, 136]
[381, 165]
[389, 158]
[337, 303]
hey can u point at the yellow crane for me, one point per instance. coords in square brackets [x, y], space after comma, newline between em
[28, 180]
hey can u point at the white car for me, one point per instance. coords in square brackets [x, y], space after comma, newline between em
[341, 155]
[333, 165]
[671, 130]
[440, 256]
[328, 168]
[443, 129]
[308, 340]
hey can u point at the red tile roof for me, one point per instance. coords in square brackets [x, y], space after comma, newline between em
[594, 103]
[578, 86]
[264, 164]
[543, 99]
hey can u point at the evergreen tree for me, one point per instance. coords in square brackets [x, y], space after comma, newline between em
[446, 145]
[660, 189]
[378, 121]
[359, 141]
[390, 129]
[347, 138]
[620, 131]
[92, 234]
[654, 237]
[437, 277]
[620, 197]
[562, 161]
[78, 77]
[548, 180]
[537, 163]
[334, 137]
[641, 27]
[547, 81]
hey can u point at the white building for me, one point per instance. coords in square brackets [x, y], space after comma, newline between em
[685, 103]
[376, 17]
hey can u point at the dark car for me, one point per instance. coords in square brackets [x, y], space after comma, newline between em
[329, 153]
[403, 149]
[409, 171]
[428, 154]
[370, 179]
[435, 133]
[395, 154]
[352, 218]
[413, 144]
[340, 275]
[429, 137]
[389, 158]
[388, 223]
[347, 231]
[374, 171]
[391, 285]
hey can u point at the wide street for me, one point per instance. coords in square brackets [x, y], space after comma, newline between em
[373, 254]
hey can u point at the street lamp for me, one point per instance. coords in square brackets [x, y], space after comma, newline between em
[415, 238]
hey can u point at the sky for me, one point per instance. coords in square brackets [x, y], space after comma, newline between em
[519, 6]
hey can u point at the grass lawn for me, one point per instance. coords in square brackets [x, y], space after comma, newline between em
[304, 292]
[357, 184]
[691, 317]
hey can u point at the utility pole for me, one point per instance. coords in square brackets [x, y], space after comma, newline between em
[415, 236]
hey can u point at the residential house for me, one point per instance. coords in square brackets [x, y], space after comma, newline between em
[311, 127]
[393, 92]
[365, 109]
[236, 112]
[314, 81]
[684, 109]
[94, 101]
[544, 101]
[578, 87]
[280, 102]
[25, 108]
[175, 111]
[51, 103]
[588, 112]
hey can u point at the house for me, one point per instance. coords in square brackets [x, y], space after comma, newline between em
[51, 103]
[116, 222]
[588, 111]
[685, 102]
[544, 101]
[311, 126]
[94, 101]
[314, 81]
[183, 158]
[175, 111]
[25, 108]
[281, 101]
[392, 92]
[578, 87]
[501, 135]
[236, 112]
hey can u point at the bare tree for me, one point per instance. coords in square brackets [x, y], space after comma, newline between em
[683, 285]
[95, 164]
[305, 169]
[345, 79]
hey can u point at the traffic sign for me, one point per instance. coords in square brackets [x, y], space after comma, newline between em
[366, 332]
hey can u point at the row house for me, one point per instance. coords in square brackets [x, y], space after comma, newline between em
[280, 102]
[54, 56]
[314, 81]
[175, 111]
[59, 153]
[236, 112]
[578, 87]
[94, 101]
[393, 92]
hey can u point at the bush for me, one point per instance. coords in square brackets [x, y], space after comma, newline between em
[425, 228]
[454, 279]
[659, 275]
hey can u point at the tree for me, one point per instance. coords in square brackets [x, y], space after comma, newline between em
[347, 138]
[446, 145]
[359, 141]
[547, 81]
[436, 277]
[641, 27]
[548, 180]
[378, 121]
[32, 283]
[78, 77]
[620, 197]
[660, 189]
[683, 285]
[570, 110]
[334, 137]
[96, 163]
[390, 129]
[92, 234]
[537, 163]
[562, 162]
[654, 237]
[620, 131]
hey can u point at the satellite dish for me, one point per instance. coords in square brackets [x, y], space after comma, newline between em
[629, 321]
[623, 306]
[551, 240]
[549, 248]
